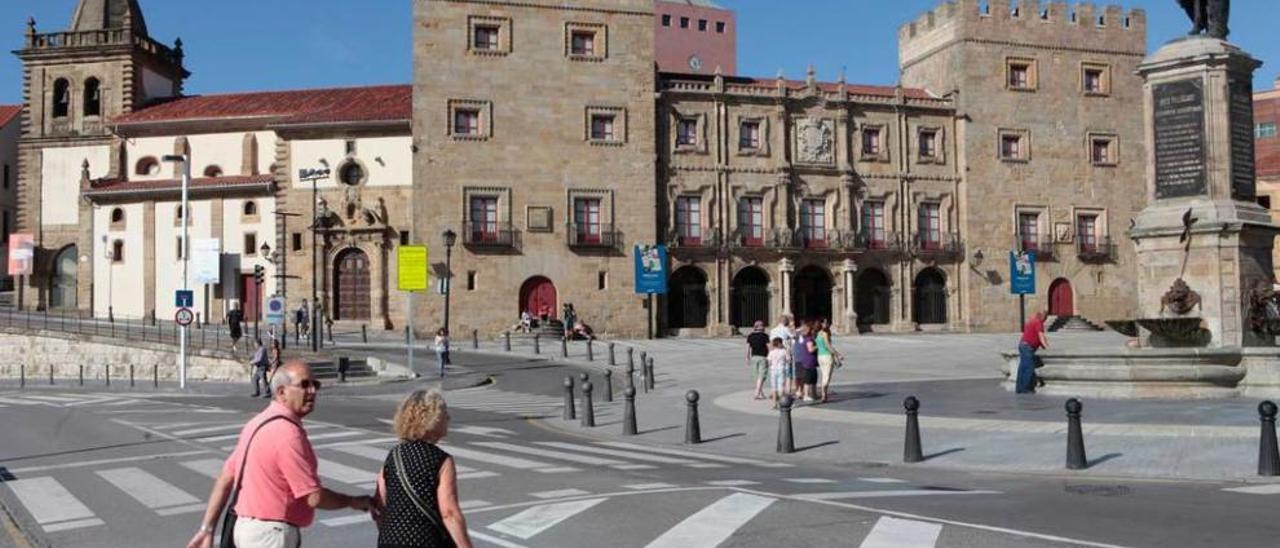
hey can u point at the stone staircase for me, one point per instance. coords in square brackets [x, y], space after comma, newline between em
[357, 370]
[1072, 323]
[548, 331]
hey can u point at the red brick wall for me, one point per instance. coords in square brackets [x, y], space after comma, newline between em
[1266, 108]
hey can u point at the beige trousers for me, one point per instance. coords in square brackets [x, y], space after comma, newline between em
[253, 533]
[825, 365]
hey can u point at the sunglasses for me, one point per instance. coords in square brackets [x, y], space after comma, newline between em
[308, 384]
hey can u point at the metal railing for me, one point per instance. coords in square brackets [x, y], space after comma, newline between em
[1100, 251]
[597, 236]
[491, 235]
[945, 245]
[1044, 247]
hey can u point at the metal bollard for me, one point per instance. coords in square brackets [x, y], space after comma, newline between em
[911, 449]
[22, 375]
[692, 430]
[506, 341]
[475, 339]
[364, 333]
[588, 413]
[644, 359]
[344, 363]
[408, 337]
[786, 442]
[564, 348]
[1268, 453]
[130, 375]
[537, 343]
[631, 361]
[591, 355]
[613, 360]
[50, 374]
[155, 376]
[629, 412]
[644, 377]
[108, 368]
[81, 375]
[631, 371]
[651, 378]
[1075, 437]
[608, 385]
[568, 399]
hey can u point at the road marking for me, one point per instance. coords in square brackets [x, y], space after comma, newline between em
[346, 520]
[367, 441]
[732, 483]
[90, 402]
[212, 439]
[901, 533]
[503, 460]
[890, 493]
[714, 524]
[483, 431]
[493, 540]
[580, 459]
[648, 486]
[84, 463]
[331, 435]
[152, 492]
[208, 429]
[205, 467]
[52, 506]
[694, 454]
[349, 475]
[615, 453]
[1272, 489]
[480, 474]
[882, 480]
[468, 504]
[808, 480]
[558, 494]
[537, 519]
[55, 399]
[188, 509]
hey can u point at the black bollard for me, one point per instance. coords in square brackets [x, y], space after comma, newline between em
[475, 339]
[588, 412]
[364, 333]
[692, 430]
[155, 376]
[108, 368]
[81, 375]
[786, 443]
[568, 399]
[631, 372]
[651, 378]
[631, 360]
[408, 338]
[644, 359]
[1268, 453]
[564, 347]
[130, 375]
[644, 376]
[911, 449]
[506, 341]
[591, 355]
[612, 358]
[608, 385]
[1075, 437]
[629, 412]
[50, 374]
[22, 373]
[537, 343]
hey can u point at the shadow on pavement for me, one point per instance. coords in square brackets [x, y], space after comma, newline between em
[932, 456]
[816, 445]
[1104, 458]
[650, 431]
[724, 437]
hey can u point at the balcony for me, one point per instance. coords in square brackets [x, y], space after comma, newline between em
[480, 236]
[1100, 251]
[597, 236]
[940, 246]
[1044, 247]
[708, 240]
[878, 242]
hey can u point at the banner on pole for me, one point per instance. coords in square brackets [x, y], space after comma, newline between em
[651, 269]
[411, 267]
[22, 254]
[1022, 272]
[206, 260]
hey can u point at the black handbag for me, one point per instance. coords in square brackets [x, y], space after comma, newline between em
[226, 537]
[413, 496]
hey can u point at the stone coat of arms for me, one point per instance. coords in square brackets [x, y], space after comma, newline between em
[815, 141]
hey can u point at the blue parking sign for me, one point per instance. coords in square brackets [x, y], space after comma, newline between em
[184, 298]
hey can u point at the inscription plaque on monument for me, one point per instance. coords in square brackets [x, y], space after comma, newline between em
[1243, 185]
[1179, 138]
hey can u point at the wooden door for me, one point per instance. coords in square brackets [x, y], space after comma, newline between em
[351, 281]
[1061, 300]
[538, 297]
[250, 297]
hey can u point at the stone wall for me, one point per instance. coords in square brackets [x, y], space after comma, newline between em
[63, 353]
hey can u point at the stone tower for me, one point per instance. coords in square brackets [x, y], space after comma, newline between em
[1051, 140]
[74, 81]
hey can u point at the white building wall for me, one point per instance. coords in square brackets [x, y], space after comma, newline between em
[388, 160]
[225, 150]
[168, 263]
[234, 227]
[119, 285]
[60, 180]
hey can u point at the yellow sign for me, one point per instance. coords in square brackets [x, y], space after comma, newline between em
[411, 263]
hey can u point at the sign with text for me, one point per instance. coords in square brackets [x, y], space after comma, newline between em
[22, 254]
[1022, 272]
[1179, 140]
[206, 260]
[411, 268]
[651, 269]
[1243, 170]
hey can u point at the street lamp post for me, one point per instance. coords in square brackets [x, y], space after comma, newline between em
[186, 223]
[450, 238]
[111, 286]
[313, 175]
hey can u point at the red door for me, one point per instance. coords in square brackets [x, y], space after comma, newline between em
[1061, 302]
[250, 297]
[538, 297]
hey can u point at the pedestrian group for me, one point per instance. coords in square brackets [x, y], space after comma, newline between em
[793, 361]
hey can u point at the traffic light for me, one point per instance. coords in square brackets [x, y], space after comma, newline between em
[259, 274]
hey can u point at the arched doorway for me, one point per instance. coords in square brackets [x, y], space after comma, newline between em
[351, 279]
[930, 297]
[1061, 300]
[750, 297]
[687, 301]
[871, 298]
[538, 297]
[62, 285]
[811, 294]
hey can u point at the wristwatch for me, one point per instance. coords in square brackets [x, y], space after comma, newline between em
[206, 528]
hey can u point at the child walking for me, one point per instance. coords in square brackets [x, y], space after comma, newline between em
[777, 370]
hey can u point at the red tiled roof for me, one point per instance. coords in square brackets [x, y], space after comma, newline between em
[360, 104]
[114, 185]
[8, 113]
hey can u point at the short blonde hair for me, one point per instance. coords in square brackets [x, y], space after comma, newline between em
[421, 416]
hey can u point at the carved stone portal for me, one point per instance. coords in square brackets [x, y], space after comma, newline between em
[815, 141]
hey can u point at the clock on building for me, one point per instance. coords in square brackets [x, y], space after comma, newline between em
[695, 63]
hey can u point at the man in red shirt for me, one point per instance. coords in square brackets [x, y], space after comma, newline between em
[279, 490]
[1032, 340]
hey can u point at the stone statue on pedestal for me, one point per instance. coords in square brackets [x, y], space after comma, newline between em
[1208, 17]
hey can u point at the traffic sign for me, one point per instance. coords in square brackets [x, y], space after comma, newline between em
[184, 317]
[275, 311]
[184, 298]
[411, 266]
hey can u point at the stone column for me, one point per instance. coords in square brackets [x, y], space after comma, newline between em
[788, 269]
[849, 268]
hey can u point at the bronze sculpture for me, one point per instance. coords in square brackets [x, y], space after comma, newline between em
[1208, 17]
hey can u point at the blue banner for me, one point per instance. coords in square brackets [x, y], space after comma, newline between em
[651, 269]
[1022, 273]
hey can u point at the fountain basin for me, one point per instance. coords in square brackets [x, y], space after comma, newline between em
[1139, 373]
[1176, 332]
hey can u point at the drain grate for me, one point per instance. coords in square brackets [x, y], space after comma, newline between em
[1099, 490]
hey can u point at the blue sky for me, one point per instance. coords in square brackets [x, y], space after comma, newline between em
[244, 45]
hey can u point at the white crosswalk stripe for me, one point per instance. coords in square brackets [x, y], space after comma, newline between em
[349, 475]
[534, 520]
[504, 460]
[902, 533]
[52, 505]
[205, 467]
[696, 455]
[632, 454]
[1269, 489]
[714, 524]
[151, 491]
[527, 405]
[561, 455]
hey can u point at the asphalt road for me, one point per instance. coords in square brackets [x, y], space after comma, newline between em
[92, 468]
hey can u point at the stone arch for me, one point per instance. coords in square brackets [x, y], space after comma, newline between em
[64, 278]
[929, 297]
[539, 297]
[1061, 298]
[811, 293]
[92, 97]
[873, 297]
[687, 302]
[750, 299]
[61, 99]
[352, 285]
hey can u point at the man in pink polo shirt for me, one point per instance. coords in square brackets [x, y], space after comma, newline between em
[280, 491]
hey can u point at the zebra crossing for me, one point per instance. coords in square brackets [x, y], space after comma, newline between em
[494, 400]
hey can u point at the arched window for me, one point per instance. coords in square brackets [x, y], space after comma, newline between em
[61, 98]
[213, 171]
[352, 174]
[147, 166]
[250, 208]
[117, 251]
[117, 216]
[92, 97]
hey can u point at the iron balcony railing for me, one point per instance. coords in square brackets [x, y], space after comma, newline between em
[490, 235]
[944, 245]
[1044, 247]
[592, 236]
[878, 242]
[1099, 251]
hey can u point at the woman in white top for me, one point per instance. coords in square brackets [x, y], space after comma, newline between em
[442, 349]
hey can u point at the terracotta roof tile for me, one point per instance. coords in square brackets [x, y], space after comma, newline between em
[113, 185]
[359, 104]
[8, 113]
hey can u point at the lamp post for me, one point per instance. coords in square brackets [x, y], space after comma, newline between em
[111, 286]
[186, 223]
[450, 238]
[313, 175]
[264, 251]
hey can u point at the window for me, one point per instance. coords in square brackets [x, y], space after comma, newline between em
[749, 135]
[1092, 80]
[178, 214]
[586, 41]
[1087, 233]
[178, 247]
[602, 281]
[871, 141]
[1265, 202]
[702, 25]
[928, 144]
[1102, 150]
[485, 37]
[687, 132]
[61, 98]
[250, 244]
[1021, 74]
[666, 20]
[117, 251]
[471, 280]
[484, 219]
[466, 122]
[602, 127]
[689, 219]
[1012, 147]
[720, 27]
[147, 166]
[351, 174]
[582, 42]
[684, 22]
[117, 217]
[488, 35]
[929, 224]
[404, 237]
[212, 172]
[250, 209]
[1029, 231]
[351, 147]
[296, 242]
[92, 97]
[813, 223]
[586, 220]
[1264, 130]
[873, 226]
[751, 220]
